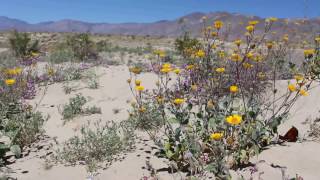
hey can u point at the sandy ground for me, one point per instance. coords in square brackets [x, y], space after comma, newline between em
[299, 158]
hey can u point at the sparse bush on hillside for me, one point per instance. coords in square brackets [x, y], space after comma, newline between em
[184, 44]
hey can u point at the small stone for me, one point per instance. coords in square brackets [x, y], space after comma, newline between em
[24, 172]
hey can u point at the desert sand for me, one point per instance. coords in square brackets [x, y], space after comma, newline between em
[299, 158]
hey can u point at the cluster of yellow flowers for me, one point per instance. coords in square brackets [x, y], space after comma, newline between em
[166, 68]
[160, 53]
[298, 86]
[14, 71]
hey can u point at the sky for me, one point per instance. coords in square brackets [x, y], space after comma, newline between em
[119, 11]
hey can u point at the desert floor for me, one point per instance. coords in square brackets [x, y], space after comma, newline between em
[299, 158]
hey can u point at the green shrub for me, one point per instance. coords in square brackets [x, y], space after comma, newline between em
[22, 45]
[96, 145]
[75, 107]
[82, 46]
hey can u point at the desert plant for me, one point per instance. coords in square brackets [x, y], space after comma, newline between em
[82, 46]
[22, 45]
[75, 107]
[95, 145]
[213, 109]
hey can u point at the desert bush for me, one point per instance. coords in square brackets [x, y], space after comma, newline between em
[82, 47]
[22, 45]
[185, 43]
[61, 55]
[98, 144]
[223, 106]
[75, 108]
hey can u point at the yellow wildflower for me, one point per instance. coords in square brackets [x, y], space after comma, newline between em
[139, 88]
[292, 87]
[178, 101]
[135, 70]
[10, 82]
[249, 55]
[308, 53]
[177, 71]
[237, 42]
[285, 38]
[317, 39]
[247, 65]
[235, 57]
[303, 92]
[250, 28]
[234, 89]
[298, 77]
[220, 70]
[200, 53]
[214, 34]
[137, 82]
[142, 109]
[253, 23]
[234, 119]
[221, 54]
[218, 24]
[34, 54]
[216, 136]
[129, 81]
[189, 67]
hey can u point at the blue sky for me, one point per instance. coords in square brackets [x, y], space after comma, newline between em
[117, 11]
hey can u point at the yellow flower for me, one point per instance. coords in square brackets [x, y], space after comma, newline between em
[285, 38]
[213, 46]
[221, 54]
[34, 54]
[214, 34]
[273, 19]
[250, 28]
[218, 24]
[235, 57]
[247, 65]
[237, 42]
[216, 136]
[137, 82]
[220, 70]
[139, 88]
[166, 65]
[189, 67]
[10, 82]
[160, 99]
[308, 53]
[303, 92]
[177, 71]
[159, 53]
[129, 81]
[200, 53]
[249, 55]
[298, 77]
[261, 75]
[135, 70]
[50, 71]
[142, 109]
[292, 87]
[317, 39]
[253, 23]
[166, 70]
[234, 119]
[234, 89]
[178, 101]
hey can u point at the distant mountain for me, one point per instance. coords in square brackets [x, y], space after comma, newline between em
[173, 28]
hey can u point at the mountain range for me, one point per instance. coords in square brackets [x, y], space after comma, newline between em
[169, 28]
